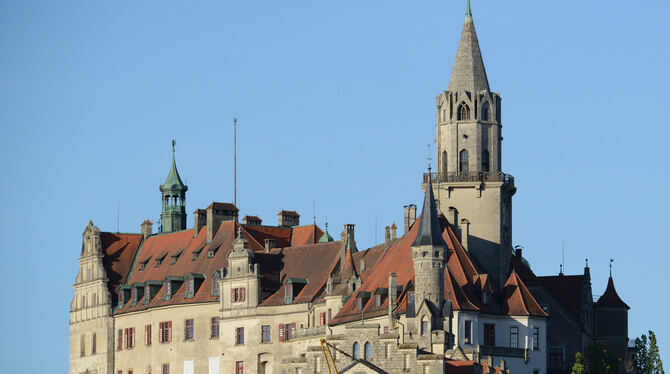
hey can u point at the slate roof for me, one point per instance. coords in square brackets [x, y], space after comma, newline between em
[567, 289]
[468, 72]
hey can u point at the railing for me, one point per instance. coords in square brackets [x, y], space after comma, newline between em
[489, 350]
[470, 176]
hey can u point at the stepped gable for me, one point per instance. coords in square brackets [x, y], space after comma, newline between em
[567, 289]
[301, 235]
[610, 298]
[313, 262]
[398, 259]
[518, 301]
[119, 251]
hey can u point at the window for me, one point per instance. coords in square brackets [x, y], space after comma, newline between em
[238, 294]
[357, 351]
[445, 164]
[239, 367]
[215, 284]
[190, 286]
[147, 334]
[95, 299]
[386, 330]
[464, 159]
[514, 337]
[188, 329]
[367, 351]
[165, 332]
[424, 326]
[556, 355]
[82, 346]
[410, 297]
[94, 343]
[536, 338]
[322, 319]
[266, 334]
[288, 293]
[119, 340]
[359, 304]
[166, 368]
[378, 300]
[486, 108]
[485, 160]
[130, 338]
[467, 332]
[168, 290]
[133, 295]
[239, 336]
[463, 112]
[130, 371]
[215, 328]
[489, 334]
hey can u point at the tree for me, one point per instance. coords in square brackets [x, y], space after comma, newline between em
[596, 360]
[647, 359]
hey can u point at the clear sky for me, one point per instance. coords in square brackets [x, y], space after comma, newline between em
[335, 101]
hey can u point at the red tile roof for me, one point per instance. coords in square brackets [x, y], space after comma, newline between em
[119, 251]
[610, 298]
[567, 289]
[301, 235]
[518, 301]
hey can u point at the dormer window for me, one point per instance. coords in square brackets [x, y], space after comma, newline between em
[359, 304]
[485, 297]
[133, 296]
[378, 300]
[361, 300]
[288, 293]
[195, 254]
[168, 290]
[293, 288]
[175, 257]
[159, 260]
[215, 284]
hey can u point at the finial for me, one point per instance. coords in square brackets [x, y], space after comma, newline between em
[468, 12]
[429, 158]
[234, 120]
[611, 261]
[173, 144]
[239, 232]
[587, 262]
[561, 271]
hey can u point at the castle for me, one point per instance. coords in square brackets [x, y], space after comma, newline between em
[450, 294]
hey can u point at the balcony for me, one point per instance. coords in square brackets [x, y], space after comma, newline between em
[489, 350]
[469, 176]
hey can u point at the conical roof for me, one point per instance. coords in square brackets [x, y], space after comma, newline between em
[173, 180]
[610, 298]
[468, 72]
[326, 238]
[429, 226]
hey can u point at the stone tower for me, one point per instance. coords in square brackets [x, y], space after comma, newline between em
[91, 324]
[173, 214]
[469, 182]
[429, 254]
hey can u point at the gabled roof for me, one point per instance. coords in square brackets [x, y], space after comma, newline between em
[468, 72]
[567, 289]
[222, 206]
[610, 298]
[119, 251]
[518, 301]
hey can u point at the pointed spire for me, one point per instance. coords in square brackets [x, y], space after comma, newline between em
[468, 72]
[430, 232]
[173, 180]
[326, 238]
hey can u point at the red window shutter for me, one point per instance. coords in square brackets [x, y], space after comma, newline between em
[243, 292]
[169, 337]
[233, 294]
[125, 338]
[281, 332]
[133, 335]
[293, 330]
[322, 319]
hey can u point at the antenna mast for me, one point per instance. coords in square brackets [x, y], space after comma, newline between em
[235, 161]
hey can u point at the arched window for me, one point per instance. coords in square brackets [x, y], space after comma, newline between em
[357, 350]
[424, 326]
[485, 160]
[445, 165]
[463, 112]
[464, 159]
[368, 351]
[486, 108]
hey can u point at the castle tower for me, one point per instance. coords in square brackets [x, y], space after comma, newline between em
[91, 324]
[173, 214]
[429, 254]
[468, 143]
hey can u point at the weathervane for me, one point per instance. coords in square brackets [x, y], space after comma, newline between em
[429, 158]
[611, 261]
[173, 144]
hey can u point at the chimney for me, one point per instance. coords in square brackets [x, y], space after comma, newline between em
[406, 218]
[217, 213]
[146, 228]
[270, 244]
[288, 218]
[465, 233]
[362, 266]
[452, 216]
[349, 240]
[387, 235]
[394, 231]
[393, 292]
[412, 214]
[199, 220]
[252, 220]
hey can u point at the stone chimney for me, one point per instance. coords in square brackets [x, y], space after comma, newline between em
[217, 213]
[270, 244]
[393, 292]
[394, 231]
[349, 240]
[410, 216]
[465, 233]
[252, 220]
[452, 216]
[199, 220]
[146, 227]
[362, 266]
[288, 218]
[387, 235]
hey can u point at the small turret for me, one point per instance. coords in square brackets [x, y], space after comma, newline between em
[173, 190]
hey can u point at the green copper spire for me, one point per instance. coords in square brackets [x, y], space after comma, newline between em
[326, 238]
[468, 12]
[173, 213]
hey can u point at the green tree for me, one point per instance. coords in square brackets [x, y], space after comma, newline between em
[647, 358]
[596, 360]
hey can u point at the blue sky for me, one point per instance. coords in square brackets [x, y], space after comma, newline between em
[335, 102]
